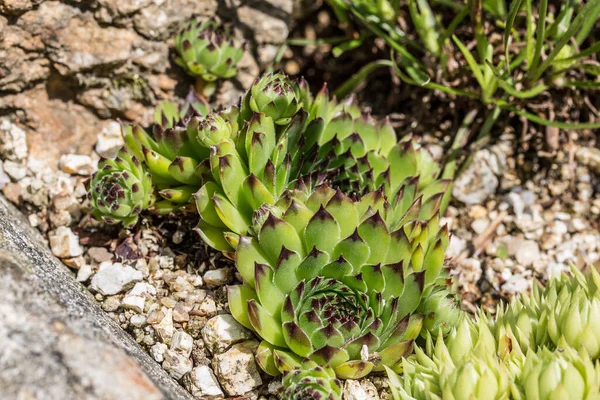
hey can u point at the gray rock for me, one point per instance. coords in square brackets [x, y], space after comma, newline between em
[236, 369]
[222, 331]
[202, 383]
[164, 18]
[113, 278]
[57, 344]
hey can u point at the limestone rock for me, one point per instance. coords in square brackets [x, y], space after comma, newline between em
[64, 243]
[113, 278]
[202, 383]
[222, 331]
[236, 369]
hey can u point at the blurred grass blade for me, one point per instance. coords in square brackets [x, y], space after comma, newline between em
[475, 68]
[464, 11]
[458, 144]
[515, 6]
[595, 48]
[430, 85]
[588, 26]
[425, 23]
[348, 45]
[562, 21]
[508, 88]
[588, 11]
[529, 46]
[540, 36]
[360, 77]
[544, 121]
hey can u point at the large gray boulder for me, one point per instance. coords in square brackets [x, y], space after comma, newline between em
[55, 342]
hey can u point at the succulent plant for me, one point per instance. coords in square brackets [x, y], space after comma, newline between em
[521, 353]
[462, 366]
[568, 309]
[167, 114]
[548, 375]
[329, 279]
[274, 95]
[120, 189]
[208, 49]
[308, 380]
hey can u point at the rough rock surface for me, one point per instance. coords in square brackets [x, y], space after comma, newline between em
[56, 342]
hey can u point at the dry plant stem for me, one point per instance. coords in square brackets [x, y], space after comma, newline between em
[483, 239]
[204, 89]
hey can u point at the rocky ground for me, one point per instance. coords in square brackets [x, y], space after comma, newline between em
[71, 68]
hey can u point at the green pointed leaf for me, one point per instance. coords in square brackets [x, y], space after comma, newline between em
[285, 270]
[354, 249]
[312, 265]
[265, 358]
[345, 213]
[322, 232]
[296, 339]
[265, 324]
[248, 253]
[375, 233]
[276, 234]
[237, 297]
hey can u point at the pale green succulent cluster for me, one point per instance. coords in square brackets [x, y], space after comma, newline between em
[541, 347]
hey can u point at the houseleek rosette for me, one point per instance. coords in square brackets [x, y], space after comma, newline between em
[328, 279]
[309, 380]
[568, 309]
[522, 353]
[566, 374]
[120, 189]
[274, 95]
[208, 50]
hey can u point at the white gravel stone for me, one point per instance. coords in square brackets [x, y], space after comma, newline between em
[516, 284]
[359, 390]
[135, 303]
[177, 365]
[4, 178]
[142, 288]
[165, 328]
[84, 273]
[527, 253]
[110, 140]
[13, 141]
[236, 369]
[222, 331]
[157, 351]
[64, 243]
[15, 170]
[202, 383]
[137, 320]
[114, 278]
[77, 164]
[182, 343]
[217, 277]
